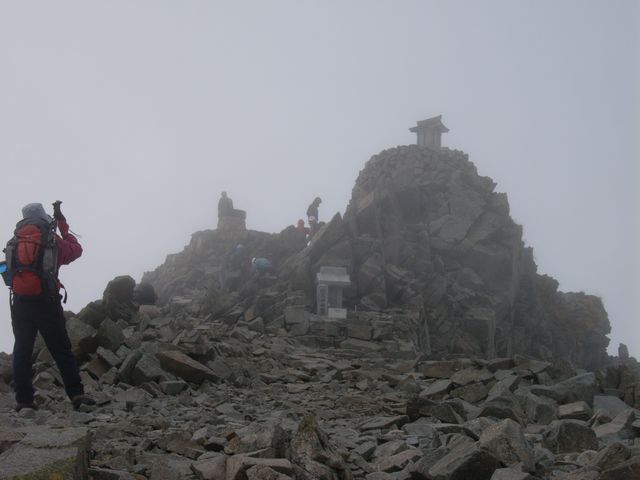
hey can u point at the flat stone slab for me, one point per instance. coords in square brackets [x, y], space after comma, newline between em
[437, 388]
[385, 422]
[576, 411]
[46, 453]
[184, 366]
[609, 404]
[442, 369]
[471, 375]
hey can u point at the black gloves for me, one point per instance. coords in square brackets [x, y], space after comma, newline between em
[57, 213]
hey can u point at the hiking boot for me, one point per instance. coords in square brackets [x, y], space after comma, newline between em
[22, 406]
[79, 400]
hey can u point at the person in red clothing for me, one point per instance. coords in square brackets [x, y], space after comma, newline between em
[43, 313]
[301, 228]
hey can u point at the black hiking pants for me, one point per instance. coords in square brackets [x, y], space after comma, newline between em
[28, 317]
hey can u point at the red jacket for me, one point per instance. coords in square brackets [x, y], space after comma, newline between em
[68, 247]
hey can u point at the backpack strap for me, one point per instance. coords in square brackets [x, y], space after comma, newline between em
[64, 300]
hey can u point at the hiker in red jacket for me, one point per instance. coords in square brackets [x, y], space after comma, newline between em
[36, 300]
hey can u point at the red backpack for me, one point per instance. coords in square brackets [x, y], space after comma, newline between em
[32, 258]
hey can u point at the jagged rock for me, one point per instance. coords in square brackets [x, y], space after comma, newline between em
[437, 389]
[390, 448]
[472, 393]
[93, 314]
[118, 298]
[144, 294]
[619, 428]
[180, 443]
[83, 337]
[297, 320]
[463, 462]
[109, 335]
[544, 457]
[623, 351]
[539, 409]
[610, 456]
[173, 387]
[312, 449]
[125, 372]
[441, 369]
[397, 462]
[211, 469]
[566, 436]
[579, 388]
[269, 438]
[257, 325]
[507, 381]
[184, 366]
[576, 411]
[471, 375]
[609, 404]
[507, 442]
[500, 411]
[382, 423]
[108, 357]
[422, 407]
[147, 369]
[424, 432]
[97, 367]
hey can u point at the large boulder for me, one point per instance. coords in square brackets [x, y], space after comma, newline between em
[507, 442]
[144, 294]
[118, 298]
[109, 335]
[567, 436]
[93, 314]
[84, 338]
[464, 462]
[269, 438]
[184, 366]
[620, 428]
[315, 453]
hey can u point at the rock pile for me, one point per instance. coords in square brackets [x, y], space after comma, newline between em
[189, 397]
[456, 360]
[423, 235]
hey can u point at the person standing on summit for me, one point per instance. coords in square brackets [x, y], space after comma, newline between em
[312, 214]
[33, 257]
[225, 205]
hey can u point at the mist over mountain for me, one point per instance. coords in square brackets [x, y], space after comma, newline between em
[412, 338]
[425, 234]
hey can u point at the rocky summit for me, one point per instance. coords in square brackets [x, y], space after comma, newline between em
[450, 357]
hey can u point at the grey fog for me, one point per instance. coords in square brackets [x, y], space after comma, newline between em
[137, 115]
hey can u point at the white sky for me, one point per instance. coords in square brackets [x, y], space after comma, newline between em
[137, 114]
